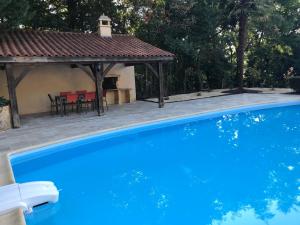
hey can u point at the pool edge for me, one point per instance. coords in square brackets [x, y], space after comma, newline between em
[191, 116]
[7, 177]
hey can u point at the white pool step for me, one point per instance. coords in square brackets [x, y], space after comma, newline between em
[27, 195]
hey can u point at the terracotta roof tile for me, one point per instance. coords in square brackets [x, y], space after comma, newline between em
[22, 43]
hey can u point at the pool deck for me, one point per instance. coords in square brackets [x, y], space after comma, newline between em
[45, 130]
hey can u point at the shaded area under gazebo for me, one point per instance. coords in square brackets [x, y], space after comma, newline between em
[92, 53]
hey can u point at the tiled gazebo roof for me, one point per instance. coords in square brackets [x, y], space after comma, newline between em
[51, 44]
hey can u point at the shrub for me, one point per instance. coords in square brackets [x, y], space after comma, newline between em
[294, 83]
[3, 102]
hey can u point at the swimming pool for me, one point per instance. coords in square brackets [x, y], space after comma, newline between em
[226, 168]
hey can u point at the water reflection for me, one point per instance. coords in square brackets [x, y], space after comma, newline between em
[136, 182]
[259, 185]
[241, 169]
[248, 216]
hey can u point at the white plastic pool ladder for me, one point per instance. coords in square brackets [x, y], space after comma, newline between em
[26, 196]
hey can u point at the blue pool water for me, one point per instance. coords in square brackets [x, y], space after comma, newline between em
[230, 168]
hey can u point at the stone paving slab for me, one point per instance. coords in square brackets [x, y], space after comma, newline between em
[43, 130]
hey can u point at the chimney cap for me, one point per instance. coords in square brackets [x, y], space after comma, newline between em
[104, 26]
[103, 17]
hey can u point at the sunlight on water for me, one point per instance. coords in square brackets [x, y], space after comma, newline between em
[240, 169]
[248, 216]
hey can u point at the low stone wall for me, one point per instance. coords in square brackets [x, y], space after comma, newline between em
[5, 121]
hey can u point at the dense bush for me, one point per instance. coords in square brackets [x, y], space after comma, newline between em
[3, 102]
[294, 83]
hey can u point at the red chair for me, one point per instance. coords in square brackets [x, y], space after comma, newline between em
[90, 99]
[65, 93]
[81, 97]
[93, 94]
[72, 100]
[82, 92]
[90, 96]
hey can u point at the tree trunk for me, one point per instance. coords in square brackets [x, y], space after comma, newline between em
[242, 39]
[72, 14]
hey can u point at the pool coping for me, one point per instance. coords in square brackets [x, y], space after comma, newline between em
[17, 217]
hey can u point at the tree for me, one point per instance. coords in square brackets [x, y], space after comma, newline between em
[242, 40]
[193, 31]
[72, 15]
[218, 43]
[271, 51]
[13, 13]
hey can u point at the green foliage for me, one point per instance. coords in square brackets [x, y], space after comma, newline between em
[294, 83]
[3, 102]
[190, 29]
[203, 35]
[71, 15]
[13, 13]
[272, 50]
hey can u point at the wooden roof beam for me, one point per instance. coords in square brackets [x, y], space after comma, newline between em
[82, 60]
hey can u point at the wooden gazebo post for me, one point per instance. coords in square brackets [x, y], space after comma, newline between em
[157, 70]
[99, 77]
[99, 74]
[161, 102]
[11, 83]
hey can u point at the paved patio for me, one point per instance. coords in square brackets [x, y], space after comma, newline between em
[44, 129]
[219, 92]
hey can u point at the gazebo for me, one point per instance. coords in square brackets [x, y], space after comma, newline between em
[95, 53]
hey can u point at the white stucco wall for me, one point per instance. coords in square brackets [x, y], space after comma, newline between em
[33, 89]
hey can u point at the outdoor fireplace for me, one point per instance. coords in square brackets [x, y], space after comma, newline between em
[110, 83]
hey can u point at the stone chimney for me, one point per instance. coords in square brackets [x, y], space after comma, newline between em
[104, 26]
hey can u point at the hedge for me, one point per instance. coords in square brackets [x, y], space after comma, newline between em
[294, 83]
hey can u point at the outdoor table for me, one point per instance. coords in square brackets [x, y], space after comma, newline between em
[83, 98]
